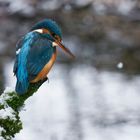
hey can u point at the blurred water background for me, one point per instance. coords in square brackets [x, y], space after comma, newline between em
[96, 96]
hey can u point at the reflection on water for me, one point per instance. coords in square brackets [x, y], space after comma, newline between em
[79, 103]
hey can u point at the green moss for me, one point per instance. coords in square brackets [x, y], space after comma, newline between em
[10, 125]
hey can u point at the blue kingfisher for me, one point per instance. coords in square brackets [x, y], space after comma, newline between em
[36, 54]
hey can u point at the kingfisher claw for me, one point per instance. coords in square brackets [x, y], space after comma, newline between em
[47, 79]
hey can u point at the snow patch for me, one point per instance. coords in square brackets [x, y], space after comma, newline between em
[5, 96]
[7, 112]
[9, 89]
[1, 138]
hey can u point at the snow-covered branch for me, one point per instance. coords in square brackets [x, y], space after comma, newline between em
[10, 105]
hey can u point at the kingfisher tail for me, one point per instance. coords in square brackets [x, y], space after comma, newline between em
[22, 87]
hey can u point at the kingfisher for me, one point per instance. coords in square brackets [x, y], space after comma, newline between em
[36, 53]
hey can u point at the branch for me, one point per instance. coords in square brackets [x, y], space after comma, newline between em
[10, 105]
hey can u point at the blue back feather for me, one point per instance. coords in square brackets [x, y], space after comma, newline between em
[21, 73]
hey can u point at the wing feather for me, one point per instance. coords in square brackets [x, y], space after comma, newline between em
[39, 55]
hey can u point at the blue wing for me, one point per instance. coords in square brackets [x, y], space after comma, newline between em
[39, 55]
[34, 52]
[18, 47]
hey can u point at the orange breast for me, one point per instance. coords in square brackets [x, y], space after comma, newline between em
[46, 69]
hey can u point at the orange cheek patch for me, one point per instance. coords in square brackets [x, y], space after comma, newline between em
[45, 31]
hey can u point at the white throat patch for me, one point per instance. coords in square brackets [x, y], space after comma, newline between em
[54, 44]
[39, 31]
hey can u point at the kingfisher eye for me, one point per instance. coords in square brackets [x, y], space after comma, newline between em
[57, 38]
[53, 34]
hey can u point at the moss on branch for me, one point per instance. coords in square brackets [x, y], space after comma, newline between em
[10, 106]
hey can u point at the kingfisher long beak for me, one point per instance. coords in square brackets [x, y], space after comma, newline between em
[65, 49]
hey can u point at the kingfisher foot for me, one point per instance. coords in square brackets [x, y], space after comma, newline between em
[47, 79]
[44, 80]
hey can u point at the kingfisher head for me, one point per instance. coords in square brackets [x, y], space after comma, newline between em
[51, 28]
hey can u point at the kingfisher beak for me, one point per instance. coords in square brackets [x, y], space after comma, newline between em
[64, 49]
